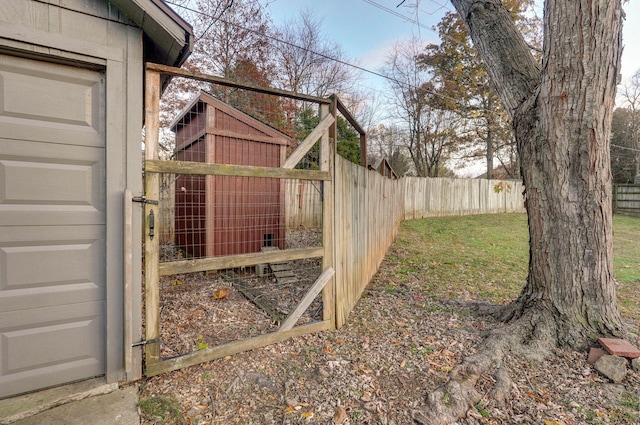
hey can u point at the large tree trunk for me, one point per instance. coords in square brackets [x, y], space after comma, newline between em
[562, 120]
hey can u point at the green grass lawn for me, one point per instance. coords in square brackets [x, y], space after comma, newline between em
[486, 257]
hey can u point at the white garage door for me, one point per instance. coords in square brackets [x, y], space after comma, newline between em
[52, 224]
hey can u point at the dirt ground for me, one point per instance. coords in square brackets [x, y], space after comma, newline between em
[399, 344]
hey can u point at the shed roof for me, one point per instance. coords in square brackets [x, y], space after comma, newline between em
[382, 165]
[204, 97]
[168, 39]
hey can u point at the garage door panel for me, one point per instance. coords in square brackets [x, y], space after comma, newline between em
[33, 182]
[54, 342]
[50, 266]
[34, 92]
[42, 184]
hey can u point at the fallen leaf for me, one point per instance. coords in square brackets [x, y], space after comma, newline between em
[178, 282]
[307, 415]
[220, 294]
[340, 416]
[550, 422]
[537, 397]
[289, 409]
[403, 363]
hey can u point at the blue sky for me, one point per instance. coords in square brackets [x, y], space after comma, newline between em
[368, 33]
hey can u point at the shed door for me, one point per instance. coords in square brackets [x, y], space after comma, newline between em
[52, 224]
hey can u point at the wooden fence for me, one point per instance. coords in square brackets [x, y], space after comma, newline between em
[420, 197]
[626, 198]
[429, 197]
[303, 204]
[415, 198]
[367, 222]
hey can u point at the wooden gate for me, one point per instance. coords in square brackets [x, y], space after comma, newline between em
[233, 266]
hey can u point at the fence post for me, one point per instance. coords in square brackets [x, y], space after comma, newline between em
[327, 163]
[151, 243]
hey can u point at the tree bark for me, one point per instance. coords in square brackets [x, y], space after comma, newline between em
[562, 121]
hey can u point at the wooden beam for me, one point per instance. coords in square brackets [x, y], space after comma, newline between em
[311, 295]
[179, 72]
[188, 167]
[327, 163]
[246, 136]
[363, 134]
[233, 261]
[308, 142]
[151, 244]
[231, 348]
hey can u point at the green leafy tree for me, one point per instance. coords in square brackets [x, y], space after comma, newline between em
[348, 145]
[462, 85]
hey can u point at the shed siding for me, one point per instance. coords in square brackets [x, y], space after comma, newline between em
[224, 215]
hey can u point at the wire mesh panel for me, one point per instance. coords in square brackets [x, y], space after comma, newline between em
[228, 214]
[202, 310]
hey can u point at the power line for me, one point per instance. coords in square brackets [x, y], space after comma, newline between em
[215, 19]
[399, 15]
[358, 67]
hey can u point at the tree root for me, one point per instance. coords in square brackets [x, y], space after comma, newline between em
[531, 336]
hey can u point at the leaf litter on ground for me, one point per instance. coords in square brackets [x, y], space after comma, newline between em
[403, 338]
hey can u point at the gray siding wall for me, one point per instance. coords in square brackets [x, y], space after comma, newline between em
[96, 34]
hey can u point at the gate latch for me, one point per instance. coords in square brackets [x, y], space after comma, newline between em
[145, 342]
[144, 200]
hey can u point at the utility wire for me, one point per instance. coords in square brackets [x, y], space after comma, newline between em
[214, 20]
[358, 67]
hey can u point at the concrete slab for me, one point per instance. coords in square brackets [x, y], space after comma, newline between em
[619, 347]
[116, 408]
[51, 406]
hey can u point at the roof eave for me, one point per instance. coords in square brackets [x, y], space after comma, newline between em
[171, 36]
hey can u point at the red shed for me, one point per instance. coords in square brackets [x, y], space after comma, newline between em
[222, 215]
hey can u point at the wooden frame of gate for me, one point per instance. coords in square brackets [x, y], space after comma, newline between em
[153, 269]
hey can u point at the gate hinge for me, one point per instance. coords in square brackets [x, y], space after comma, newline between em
[145, 342]
[144, 200]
